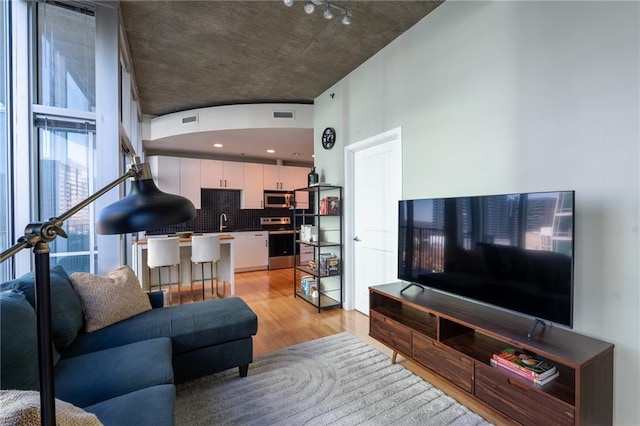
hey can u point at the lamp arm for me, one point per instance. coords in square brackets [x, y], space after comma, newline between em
[75, 209]
[48, 231]
[21, 244]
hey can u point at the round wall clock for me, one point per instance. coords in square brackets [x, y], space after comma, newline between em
[328, 138]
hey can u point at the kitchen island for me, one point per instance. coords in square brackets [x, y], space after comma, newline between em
[225, 264]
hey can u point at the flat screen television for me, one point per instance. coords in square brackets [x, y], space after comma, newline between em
[513, 251]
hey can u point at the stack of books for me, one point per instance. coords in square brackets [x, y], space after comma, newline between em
[525, 365]
[329, 206]
[308, 286]
[329, 264]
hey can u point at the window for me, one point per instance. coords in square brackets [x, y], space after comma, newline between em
[66, 58]
[65, 137]
[66, 165]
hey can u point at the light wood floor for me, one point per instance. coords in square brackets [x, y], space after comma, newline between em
[284, 321]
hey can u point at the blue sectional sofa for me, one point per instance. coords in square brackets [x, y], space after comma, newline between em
[124, 373]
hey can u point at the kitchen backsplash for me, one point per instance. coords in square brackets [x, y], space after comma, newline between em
[218, 201]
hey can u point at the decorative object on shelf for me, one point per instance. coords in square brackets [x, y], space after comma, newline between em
[334, 206]
[328, 138]
[519, 360]
[329, 264]
[312, 177]
[330, 206]
[526, 376]
[307, 284]
[308, 233]
[312, 265]
[327, 12]
[144, 208]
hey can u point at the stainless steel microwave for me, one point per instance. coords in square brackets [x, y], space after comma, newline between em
[280, 200]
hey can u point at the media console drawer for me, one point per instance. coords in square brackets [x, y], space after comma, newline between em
[520, 401]
[390, 332]
[449, 364]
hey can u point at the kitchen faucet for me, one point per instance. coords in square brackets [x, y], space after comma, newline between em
[223, 221]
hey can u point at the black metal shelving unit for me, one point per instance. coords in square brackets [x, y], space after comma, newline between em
[328, 285]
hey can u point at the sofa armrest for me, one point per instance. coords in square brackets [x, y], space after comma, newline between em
[156, 298]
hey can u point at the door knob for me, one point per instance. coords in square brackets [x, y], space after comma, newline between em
[356, 238]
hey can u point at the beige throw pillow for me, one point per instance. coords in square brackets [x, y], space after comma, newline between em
[107, 300]
[22, 408]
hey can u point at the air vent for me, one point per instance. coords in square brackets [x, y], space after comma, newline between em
[283, 115]
[190, 119]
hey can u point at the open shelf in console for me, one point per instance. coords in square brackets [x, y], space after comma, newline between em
[475, 345]
[423, 322]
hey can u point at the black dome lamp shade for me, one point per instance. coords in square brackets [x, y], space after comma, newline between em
[144, 208]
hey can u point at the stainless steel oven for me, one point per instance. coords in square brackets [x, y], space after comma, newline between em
[281, 240]
[281, 249]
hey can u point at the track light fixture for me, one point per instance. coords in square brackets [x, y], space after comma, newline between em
[310, 6]
[328, 14]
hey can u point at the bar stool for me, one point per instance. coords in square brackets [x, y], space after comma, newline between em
[205, 249]
[164, 253]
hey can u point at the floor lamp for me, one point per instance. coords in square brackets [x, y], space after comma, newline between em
[144, 208]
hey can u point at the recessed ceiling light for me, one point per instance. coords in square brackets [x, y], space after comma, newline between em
[217, 145]
[271, 151]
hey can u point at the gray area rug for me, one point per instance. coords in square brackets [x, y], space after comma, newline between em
[334, 380]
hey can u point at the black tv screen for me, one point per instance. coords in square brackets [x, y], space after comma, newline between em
[513, 251]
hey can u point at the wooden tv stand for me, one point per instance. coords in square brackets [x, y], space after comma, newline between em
[455, 338]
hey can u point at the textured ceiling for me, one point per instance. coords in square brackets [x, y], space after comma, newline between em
[193, 54]
[190, 54]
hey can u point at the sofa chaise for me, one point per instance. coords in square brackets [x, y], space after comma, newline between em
[123, 372]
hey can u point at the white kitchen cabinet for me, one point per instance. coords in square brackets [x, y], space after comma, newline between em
[190, 180]
[169, 179]
[176, 175]
[284, 178]
[216, 174]
[251, 250]
[271, 177]
[300, 180]
[253, 192]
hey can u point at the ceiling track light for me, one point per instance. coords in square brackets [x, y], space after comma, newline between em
[327, 14]
[310, 6]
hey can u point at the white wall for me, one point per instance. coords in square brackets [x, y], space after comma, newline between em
[226, 117]
[497, 97]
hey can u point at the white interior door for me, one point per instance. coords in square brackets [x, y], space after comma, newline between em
[376, 189]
